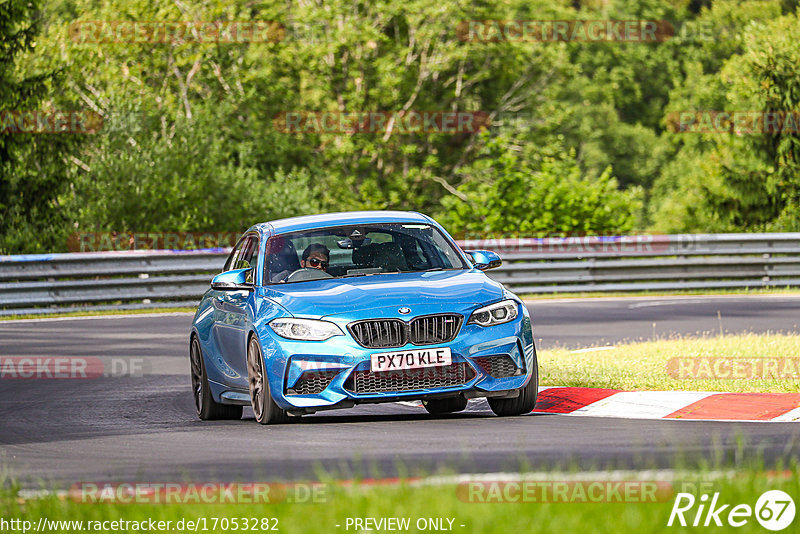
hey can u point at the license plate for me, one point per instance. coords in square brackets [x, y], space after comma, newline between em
[411, 359]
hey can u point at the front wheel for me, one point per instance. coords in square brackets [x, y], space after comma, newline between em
[526, 400]
[204, 404]
[264, 408]
[437, 406]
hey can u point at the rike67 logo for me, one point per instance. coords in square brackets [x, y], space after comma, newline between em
[774, 510]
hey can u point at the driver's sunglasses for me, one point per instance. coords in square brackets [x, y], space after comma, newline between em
[316, 262]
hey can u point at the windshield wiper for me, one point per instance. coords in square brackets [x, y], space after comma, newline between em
[358, 274]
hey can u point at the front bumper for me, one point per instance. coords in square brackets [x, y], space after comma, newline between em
[309, 376]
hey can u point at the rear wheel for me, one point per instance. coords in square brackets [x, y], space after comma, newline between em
[450, 405]
[526, 400]
[204, 404]
[264, 408]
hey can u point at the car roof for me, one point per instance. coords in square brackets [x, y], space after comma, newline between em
[307, 222]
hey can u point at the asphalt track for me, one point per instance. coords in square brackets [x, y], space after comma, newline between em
[144, 428]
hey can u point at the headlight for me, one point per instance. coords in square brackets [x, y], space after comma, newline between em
[498, 313]
[305, 329]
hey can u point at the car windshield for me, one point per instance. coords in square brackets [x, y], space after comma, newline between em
[358, 250]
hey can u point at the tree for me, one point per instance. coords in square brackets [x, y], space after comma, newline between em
[199, 175]
[737, 180]
[762, 172]
[33, 171]
[538, 193]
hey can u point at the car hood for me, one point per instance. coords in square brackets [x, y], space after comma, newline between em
[428, 291]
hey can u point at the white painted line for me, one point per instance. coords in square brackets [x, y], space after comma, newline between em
[666, 303]
[702, 299]
[788, 417]
[677, 298]
[592, 349]
[641, 404]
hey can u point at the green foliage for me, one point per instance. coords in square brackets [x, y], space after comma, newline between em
[763, 172]
[545, 194]
[492, 506]
[32, 168]
[189, 144]
[738, 181]
[189, 176]
[613, 101]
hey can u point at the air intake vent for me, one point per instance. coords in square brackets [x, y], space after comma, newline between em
[312, 382]
[362, 382]
[500, 366]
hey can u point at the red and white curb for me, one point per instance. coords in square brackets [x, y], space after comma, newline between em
[691, 405]
[685, 405]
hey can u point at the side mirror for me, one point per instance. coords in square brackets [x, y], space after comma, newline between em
[484, 259]
[235, 280]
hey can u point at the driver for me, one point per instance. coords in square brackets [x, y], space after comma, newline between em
[315, 256]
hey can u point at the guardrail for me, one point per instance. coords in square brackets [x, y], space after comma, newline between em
[42, 283]
[645, 263]
[141, 279]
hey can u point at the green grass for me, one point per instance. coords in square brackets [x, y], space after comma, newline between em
[89, 313]
[643, 366]
[672, 293]
[438, 501]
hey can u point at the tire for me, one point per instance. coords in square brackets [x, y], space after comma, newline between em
[205, 406]
[449, 405]
[526, 400]
[264, 408]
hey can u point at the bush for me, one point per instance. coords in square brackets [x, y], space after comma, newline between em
[543, 194]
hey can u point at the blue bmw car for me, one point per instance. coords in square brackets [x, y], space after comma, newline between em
[329, 311]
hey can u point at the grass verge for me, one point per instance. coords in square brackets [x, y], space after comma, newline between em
[91, 313]
[462, 507]
[732, 363]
